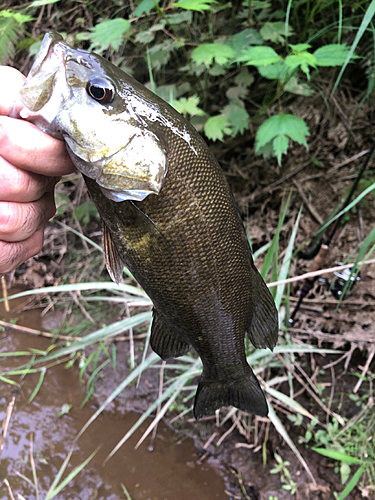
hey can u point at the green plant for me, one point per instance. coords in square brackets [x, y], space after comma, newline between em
[11, 27]
[191, 45]
[349, 442]
[285, 476]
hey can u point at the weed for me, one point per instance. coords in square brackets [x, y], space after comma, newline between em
[285, 476]
[284, 50]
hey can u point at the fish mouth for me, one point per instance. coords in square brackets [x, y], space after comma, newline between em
[37, 89]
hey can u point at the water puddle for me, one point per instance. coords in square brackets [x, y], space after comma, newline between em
[172, 471]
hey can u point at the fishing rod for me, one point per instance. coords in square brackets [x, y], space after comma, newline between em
[321, 255]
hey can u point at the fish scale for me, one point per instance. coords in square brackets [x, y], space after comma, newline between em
[181, 236]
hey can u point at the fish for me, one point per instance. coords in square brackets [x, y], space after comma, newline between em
[167, 212]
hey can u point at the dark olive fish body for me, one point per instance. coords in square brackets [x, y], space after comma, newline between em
[187, 248]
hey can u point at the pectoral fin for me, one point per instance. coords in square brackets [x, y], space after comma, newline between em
[264, 327]
[114, 263]
[164, 342]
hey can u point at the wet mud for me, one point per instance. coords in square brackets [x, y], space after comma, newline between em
[171, 471]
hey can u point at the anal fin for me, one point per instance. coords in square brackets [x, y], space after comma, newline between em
[165, 343]
[264, 327]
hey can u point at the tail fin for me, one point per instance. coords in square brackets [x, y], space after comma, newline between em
[245, 394]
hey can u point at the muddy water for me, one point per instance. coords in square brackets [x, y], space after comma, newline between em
[170, 472]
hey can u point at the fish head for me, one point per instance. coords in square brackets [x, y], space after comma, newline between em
[78, 96]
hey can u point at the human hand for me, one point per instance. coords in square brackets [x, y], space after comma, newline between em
[31, 163]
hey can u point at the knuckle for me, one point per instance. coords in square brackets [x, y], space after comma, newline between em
[14, 254]
[10, 217]
[11, 256]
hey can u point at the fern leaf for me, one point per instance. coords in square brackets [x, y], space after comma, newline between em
[9, 35]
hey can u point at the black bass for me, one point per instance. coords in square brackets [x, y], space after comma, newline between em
[167, 213]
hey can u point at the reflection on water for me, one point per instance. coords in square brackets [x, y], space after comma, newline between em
[170, 472]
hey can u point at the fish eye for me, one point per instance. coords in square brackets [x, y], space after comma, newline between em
[101, 89]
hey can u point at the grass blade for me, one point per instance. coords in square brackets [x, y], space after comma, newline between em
[39, 384]
[55, 487]
[352, 483]
[151, 360]
[365, 22]
[284, 434]
[284, 270]
[337, 455]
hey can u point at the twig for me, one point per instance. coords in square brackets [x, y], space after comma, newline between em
[226, 434]
[6, 424]
[209, 440]
[83, 310]
[333, 378]
[5, 293]
[319, 273]
[32, 463]
[309, 390]
[348, 160]
[309, 206]
[154, 430]
[5, 481]
[365, 368]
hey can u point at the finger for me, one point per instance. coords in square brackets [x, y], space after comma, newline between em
[11, 80]
[14, 254]
[21, 186]
[18, 221]
[24, 145]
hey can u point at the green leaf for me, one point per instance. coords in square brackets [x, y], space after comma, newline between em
[275, 32]
[145, 7]
[276, 71]
[40, 3]
[244, 39]
[238, 118]
[180, 17]
[296, 87]
[10, 32]
[237, 93]
[209, 52]
[160, 54]
[299, 47]
[84, 211]
[258, 56]
[109, 34]
[244, 78]
[17, 16]
[277, 129]
[147, 36]
[280, 146]
[198, 5]
[303, 60]
[188, 106]
[337, 455]
[334, 54]
[344, 472]
[216, 127]
[352, 483]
